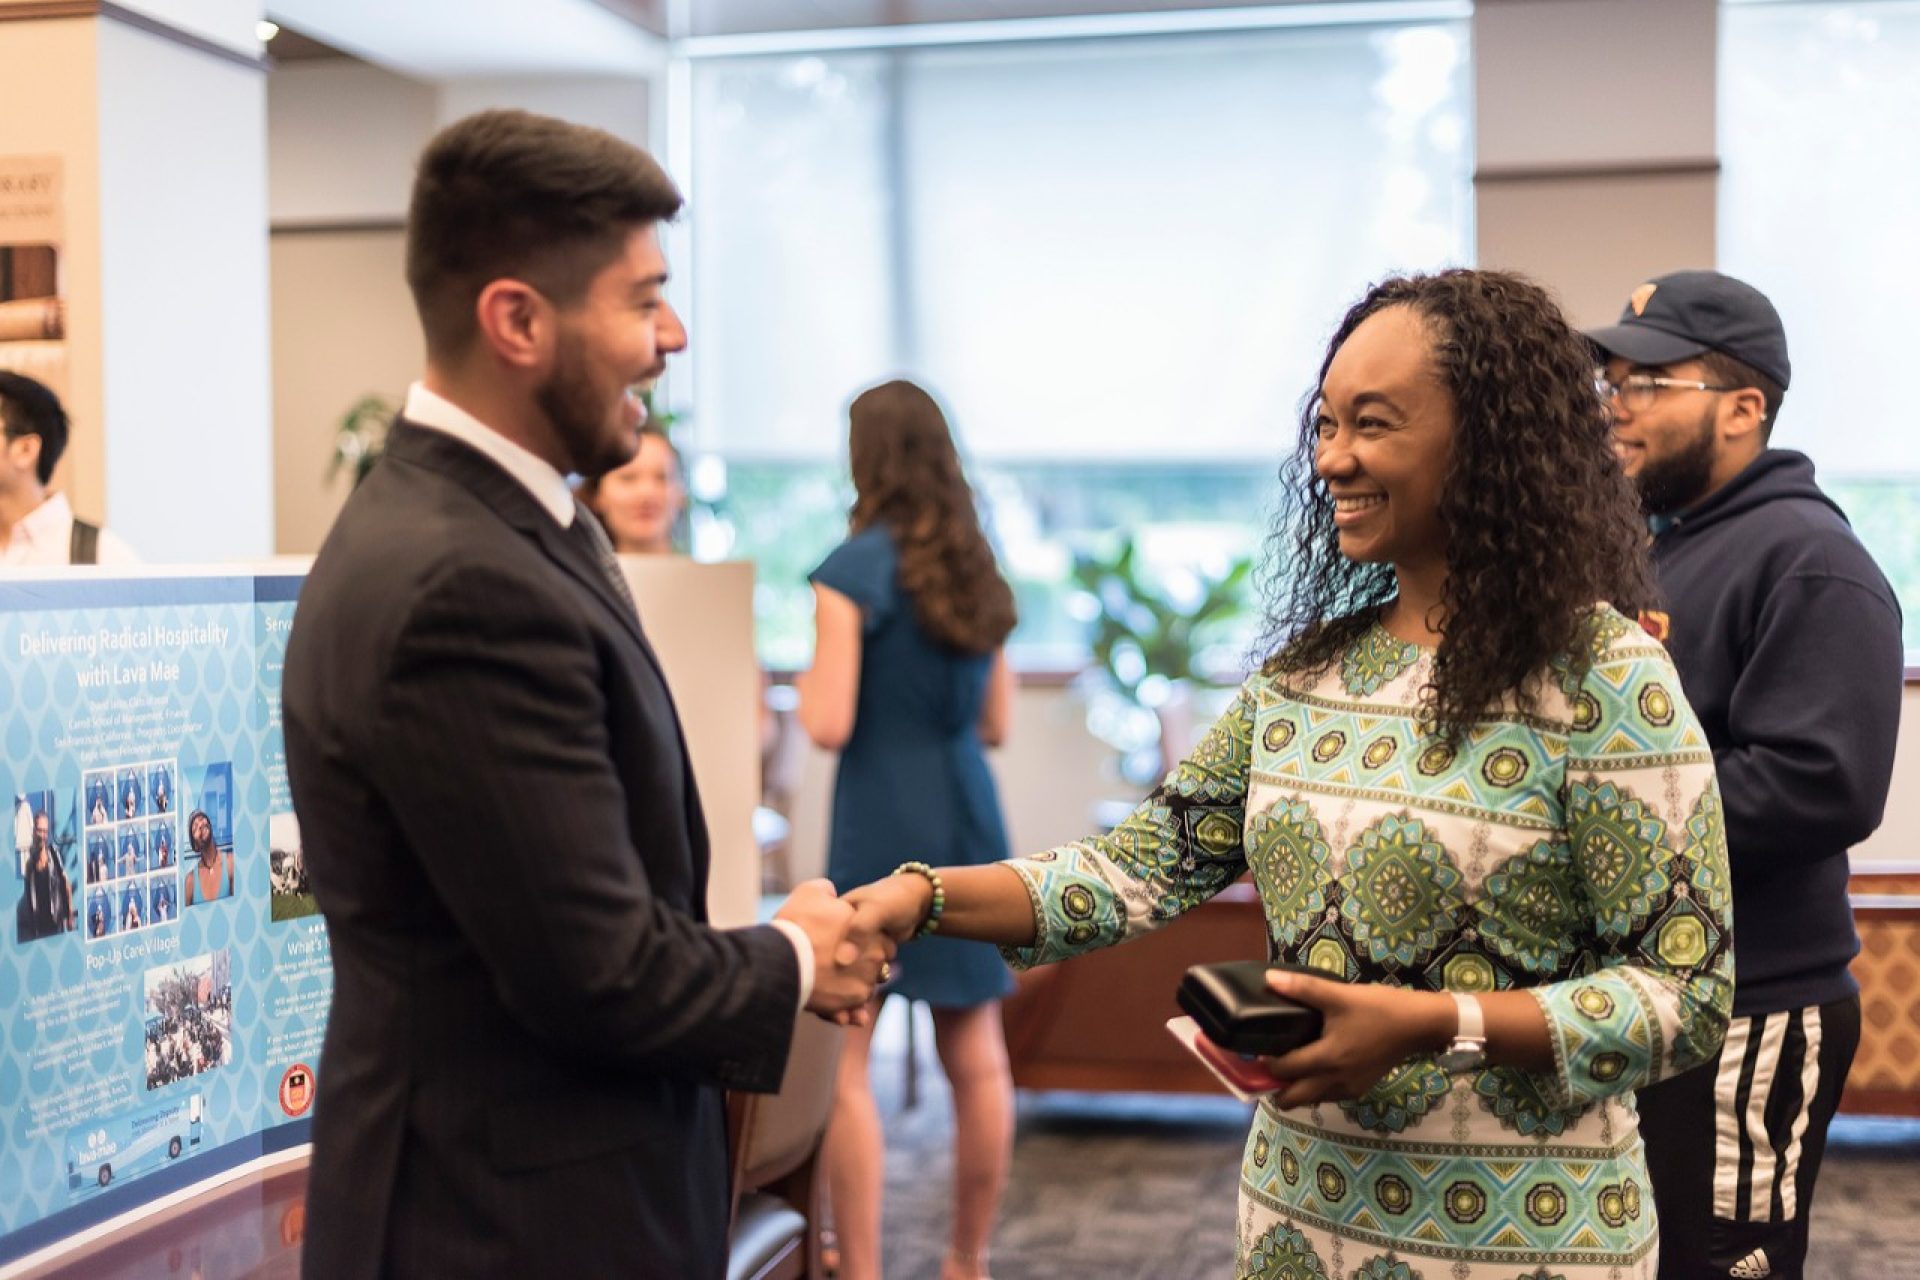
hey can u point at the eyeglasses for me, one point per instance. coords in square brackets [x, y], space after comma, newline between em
[1639, 390]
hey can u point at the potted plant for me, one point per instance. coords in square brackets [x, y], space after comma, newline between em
[1154, 643]
[360, 437]
[362, 433]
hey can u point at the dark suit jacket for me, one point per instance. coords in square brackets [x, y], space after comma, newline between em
[531, 1021]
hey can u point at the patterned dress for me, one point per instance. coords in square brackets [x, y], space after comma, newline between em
[1575, 852]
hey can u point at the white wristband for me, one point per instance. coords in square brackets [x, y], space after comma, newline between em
[1473, 1022]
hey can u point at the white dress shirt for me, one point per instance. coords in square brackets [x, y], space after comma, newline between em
[549, 488]
[536, 475]
[44, 536]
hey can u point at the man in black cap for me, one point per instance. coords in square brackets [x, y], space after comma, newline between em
[1787, 639]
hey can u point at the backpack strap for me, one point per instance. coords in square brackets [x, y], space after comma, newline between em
[84, 546]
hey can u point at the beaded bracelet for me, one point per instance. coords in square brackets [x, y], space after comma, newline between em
[932, 923]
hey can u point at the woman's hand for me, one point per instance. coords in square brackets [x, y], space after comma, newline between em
[1369, 1029]
[895, 906]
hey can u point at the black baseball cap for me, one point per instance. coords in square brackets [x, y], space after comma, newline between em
[1679, 316]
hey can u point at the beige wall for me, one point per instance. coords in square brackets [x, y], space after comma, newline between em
[341, 141]
[1594, 135]
[1593, 82]
[50, 106]
[1592, 237]
[343, 326]
[619, 104]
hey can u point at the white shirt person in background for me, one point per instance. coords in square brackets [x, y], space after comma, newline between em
[38, 528]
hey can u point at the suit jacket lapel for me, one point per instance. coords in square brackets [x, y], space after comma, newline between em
[507, 498]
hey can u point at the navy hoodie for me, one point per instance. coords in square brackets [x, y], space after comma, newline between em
[1787, 639]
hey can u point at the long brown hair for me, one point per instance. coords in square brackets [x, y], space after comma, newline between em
[907, 476]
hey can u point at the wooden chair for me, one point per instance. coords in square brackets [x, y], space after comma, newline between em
[778, 1194]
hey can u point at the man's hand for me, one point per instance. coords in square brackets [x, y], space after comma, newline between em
[847, 962]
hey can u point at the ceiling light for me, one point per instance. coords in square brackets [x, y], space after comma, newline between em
[264, 31]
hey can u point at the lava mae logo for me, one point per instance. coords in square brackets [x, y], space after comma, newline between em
[1642, 296]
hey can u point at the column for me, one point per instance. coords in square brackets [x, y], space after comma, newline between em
[153, 117]
[1597, 158]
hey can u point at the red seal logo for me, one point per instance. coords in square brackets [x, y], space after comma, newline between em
[296, 1089]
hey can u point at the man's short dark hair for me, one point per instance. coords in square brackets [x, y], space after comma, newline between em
[29, 408]
[510, 194]
[1725, 371]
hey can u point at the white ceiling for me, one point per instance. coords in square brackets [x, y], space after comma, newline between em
[453, 39]
[738, 17]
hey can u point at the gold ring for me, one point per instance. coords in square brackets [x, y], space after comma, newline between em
[886, 972]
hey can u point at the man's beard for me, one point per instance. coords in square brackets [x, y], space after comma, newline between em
[578, 415]
[1676, 482]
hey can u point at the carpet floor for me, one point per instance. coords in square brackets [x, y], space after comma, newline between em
[1142, 1187]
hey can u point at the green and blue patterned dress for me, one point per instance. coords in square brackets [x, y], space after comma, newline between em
[1575, 852]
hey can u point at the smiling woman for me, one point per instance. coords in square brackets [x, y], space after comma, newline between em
[1469, 793]
[1464, 396]
[1381, 438]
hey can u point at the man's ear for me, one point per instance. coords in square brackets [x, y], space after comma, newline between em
[23, 453]
[1743, 416]
[516, 322]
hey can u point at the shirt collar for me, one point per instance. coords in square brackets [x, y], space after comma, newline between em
[40, 533]
[52, 518]
[536, 475]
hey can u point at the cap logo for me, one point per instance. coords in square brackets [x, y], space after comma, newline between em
[1641, 297]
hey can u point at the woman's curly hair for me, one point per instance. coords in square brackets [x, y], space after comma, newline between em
[1540, 521]
[907, 476]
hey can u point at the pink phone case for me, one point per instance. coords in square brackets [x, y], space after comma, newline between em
[1244, 1079]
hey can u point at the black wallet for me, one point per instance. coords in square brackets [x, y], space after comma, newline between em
[1235, 1009]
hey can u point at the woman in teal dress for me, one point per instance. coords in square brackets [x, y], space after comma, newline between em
[909, 683]
[1468, 792]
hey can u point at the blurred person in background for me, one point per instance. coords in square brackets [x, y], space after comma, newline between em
[910, 684]
[1788, 642]
[643, 504]
[37, 526]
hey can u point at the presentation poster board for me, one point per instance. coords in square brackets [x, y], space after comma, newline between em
[164, 979]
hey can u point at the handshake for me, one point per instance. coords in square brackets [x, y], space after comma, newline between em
[855, 939]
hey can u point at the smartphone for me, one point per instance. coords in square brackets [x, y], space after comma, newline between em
[1243, 1077]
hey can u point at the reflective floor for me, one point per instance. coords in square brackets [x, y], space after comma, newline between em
[250, 1228]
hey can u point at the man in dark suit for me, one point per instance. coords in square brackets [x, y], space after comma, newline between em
[532, 1021]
